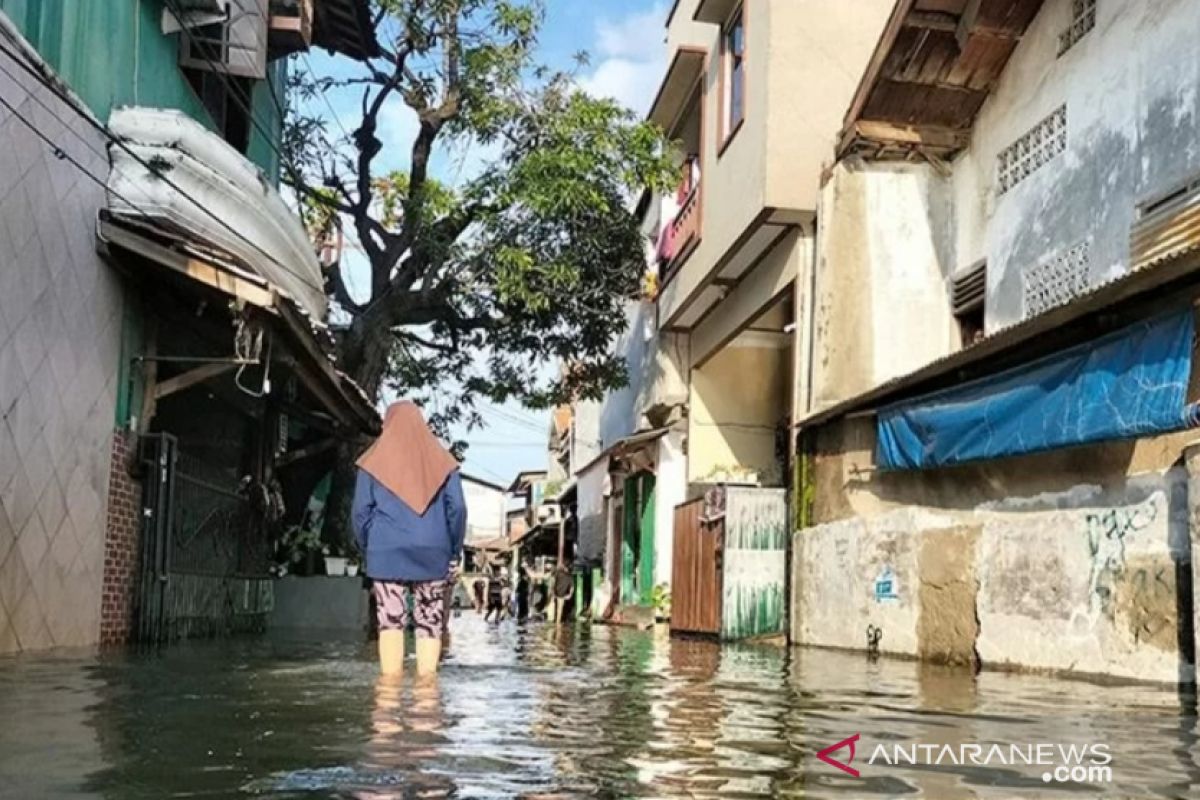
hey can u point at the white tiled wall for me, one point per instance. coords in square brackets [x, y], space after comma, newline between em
[60, 328]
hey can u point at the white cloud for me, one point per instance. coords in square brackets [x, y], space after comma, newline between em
[633, 36]
[633, 59]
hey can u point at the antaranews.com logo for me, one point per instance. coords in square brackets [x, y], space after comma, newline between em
[1058, 762]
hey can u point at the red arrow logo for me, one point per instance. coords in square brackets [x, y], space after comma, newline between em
[833, 762]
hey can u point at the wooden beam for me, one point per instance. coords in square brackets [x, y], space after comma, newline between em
[932, 20]
[190, 379]
[966, 22]
[149, 376]
[865, 86]
[915, 135]
[306, 452]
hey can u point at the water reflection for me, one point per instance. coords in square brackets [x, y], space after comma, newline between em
[543, 712]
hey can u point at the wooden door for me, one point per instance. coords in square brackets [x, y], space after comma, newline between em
[696, 572]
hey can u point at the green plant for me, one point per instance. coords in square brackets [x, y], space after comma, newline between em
[660, 598]
[296, 543]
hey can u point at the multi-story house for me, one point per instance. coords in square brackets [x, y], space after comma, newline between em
[998, 341]
[164, 379]
[752, 96]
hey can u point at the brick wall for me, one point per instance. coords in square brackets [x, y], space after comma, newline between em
[120, 543]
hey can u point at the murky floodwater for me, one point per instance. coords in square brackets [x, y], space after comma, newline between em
[534, 712]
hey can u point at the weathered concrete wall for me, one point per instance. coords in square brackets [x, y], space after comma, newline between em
[1133, 122]
[320, 603]
[60, 333]
[738, 397]
[881, 296]
[591, 506]
[891, 237]
[1076, 561]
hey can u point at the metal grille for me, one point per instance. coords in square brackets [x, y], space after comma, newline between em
[204, 555]
[1056, 282]
[1026, 155]
[1083, 19]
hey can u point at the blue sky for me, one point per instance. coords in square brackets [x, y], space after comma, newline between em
[625, 39]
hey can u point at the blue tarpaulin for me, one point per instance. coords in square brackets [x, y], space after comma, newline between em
[1129, 383]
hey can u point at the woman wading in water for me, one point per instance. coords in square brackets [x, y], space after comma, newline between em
[410, 519]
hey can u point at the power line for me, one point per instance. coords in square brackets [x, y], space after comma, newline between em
[324, 96]
[154, 170]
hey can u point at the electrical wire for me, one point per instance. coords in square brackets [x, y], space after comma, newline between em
[153, 169]
[321, 89]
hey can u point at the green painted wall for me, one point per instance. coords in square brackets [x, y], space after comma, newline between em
[629, 527]
[114, 53]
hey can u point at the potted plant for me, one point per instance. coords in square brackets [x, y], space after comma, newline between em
[335, 562]
[353, 562]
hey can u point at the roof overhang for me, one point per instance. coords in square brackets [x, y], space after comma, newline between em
[344, 26]
[935, 65]
[526, 479]
[195, 264]
[1107, 307]
[685, 72]
[716, 12]
[171, 169]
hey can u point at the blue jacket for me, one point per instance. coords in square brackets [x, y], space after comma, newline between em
[401, 545]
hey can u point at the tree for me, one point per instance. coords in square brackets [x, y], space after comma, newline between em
[528, 262]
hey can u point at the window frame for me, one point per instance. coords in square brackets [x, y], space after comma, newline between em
[729, 127]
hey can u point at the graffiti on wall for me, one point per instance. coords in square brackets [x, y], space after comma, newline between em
[755, 555]
[1108, 533]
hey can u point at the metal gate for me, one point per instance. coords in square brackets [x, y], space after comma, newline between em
[696, 569]
[204, 554]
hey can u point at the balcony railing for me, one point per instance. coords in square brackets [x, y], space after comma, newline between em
[681, 235]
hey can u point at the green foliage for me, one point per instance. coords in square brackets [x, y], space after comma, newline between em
[527, 262]
[660, 598]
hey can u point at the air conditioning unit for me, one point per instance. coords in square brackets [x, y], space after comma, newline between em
[235, 45]
[180, 14]
[1167, 227]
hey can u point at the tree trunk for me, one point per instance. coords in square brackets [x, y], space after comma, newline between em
[364, 356]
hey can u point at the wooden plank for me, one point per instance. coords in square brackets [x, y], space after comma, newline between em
[190, 379]
[149, 375]
[925, 135]
[932, 20]
[306, 452]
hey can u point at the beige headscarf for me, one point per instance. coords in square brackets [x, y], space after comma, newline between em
[407, 458]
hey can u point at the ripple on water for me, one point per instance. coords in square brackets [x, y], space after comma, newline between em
[539, 712]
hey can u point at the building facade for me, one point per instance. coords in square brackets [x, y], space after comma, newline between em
[114, 284]
[996, 337]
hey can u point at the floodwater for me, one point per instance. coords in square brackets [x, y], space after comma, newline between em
[538, 712]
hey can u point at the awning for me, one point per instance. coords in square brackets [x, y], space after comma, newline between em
[1130, 383]
[201, 185]
[682, 77]
[196, 263]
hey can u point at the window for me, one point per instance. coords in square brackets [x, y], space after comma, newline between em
[1083, 19]
[1056, 282]
[733, 74]
[967, 302]
[1026, 155]
[227, 98]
